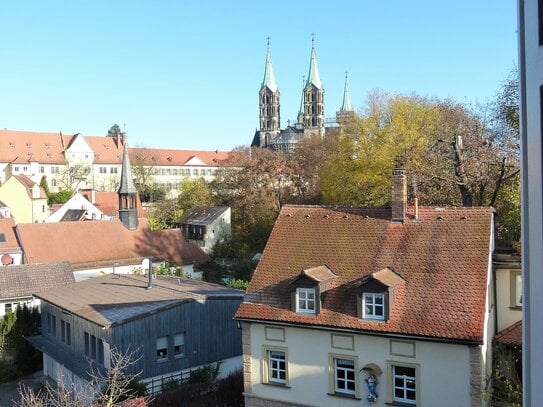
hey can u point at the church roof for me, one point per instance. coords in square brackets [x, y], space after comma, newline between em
[269, 77]
[127, 180]
[313, 76]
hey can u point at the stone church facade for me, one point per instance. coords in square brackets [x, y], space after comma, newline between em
[310, 120]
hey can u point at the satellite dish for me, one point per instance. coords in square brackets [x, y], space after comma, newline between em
[6, 259]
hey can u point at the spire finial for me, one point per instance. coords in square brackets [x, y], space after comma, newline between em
[312, 39]
[269, 77]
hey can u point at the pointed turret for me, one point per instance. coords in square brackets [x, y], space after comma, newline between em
[346, 106]
[127, 193]
[313, 76]
[313, 95]
[270, 116]
[269, 76]
[346, 110]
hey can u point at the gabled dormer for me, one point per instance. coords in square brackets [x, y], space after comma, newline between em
[306, 290]
[375, 295]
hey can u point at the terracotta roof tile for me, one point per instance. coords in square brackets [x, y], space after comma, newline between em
[7, 228]
[103, 242]
[157, 156]
[443, 258]
[511, 335]
[108, 202]
[49, 148]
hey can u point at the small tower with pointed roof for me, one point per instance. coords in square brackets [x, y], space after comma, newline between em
[270, 117]
[313, 95]
[127, 192]
[346, 110]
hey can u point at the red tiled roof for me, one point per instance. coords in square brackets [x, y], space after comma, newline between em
[26, 146]
[443, 258]
[49, 148]
[103, 242]
[511, 335]
[108, 202]
[156, 156]
[11, 244]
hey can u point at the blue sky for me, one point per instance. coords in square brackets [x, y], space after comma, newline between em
[186, 74]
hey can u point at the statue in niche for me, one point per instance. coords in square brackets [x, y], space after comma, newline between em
[371, 381]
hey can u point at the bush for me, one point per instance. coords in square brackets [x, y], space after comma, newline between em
[238, 284]
[229, 391]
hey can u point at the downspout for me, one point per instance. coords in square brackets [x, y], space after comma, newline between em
[495, 293]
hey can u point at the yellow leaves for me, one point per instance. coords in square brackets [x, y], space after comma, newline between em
[394, 128]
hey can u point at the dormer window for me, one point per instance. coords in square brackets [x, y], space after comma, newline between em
[373, 306]
[305, 300]
[376, 294]
[309, 288]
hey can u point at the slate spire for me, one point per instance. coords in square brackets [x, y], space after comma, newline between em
[127, 193]
[269, 76]
[346, 106]
[313, 76]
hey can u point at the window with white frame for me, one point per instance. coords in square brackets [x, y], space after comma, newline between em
[179, 345]
[102, 170]
[277, 367]
[162, 348]
[305, 300]
[373, 306]
[113, 170]
[344, 376]
[404, 384]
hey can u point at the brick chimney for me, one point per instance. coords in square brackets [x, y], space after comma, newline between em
[399, 195]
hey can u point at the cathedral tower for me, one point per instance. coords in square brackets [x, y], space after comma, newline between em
[127, 192]
[270, 117]
[313, 95]
[346, 110]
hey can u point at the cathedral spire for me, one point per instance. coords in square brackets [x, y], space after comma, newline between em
[269, 77]
[346, 106]
[313, 76]
[127, 193]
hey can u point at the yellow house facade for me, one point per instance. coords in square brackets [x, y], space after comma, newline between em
[26, 200]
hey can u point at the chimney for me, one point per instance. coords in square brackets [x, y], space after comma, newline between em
[399, 195]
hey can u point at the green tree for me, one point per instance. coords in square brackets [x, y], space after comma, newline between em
[45, 185]
[393, 128]
[195, 192]
[164, 214]
[114, 131]
[59, 197]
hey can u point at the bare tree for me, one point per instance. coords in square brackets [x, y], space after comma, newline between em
[109, 386]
